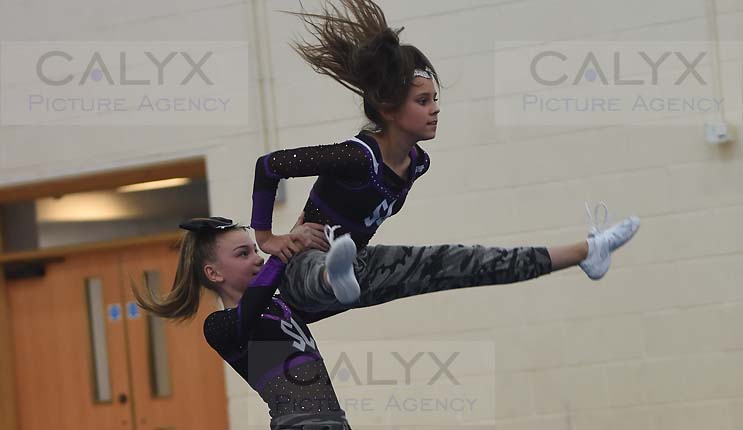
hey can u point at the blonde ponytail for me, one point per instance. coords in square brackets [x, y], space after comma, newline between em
[182, 303]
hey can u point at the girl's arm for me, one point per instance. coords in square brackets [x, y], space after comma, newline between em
[258, 295]
[343, 160]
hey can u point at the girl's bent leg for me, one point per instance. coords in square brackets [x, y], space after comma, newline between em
[391, 272]
[303, 286]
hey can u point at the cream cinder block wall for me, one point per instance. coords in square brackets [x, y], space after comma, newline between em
[33, 153]
[654, 345]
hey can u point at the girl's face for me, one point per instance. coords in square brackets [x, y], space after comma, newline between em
[418, 116]
[237, 260]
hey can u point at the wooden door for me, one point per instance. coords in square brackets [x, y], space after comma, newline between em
[188, 393]
[53, 352]
[57, 382]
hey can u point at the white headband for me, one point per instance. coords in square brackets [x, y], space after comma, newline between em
[427, 73]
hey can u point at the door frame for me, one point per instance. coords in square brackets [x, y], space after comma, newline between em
[191, 168]
[7, 391]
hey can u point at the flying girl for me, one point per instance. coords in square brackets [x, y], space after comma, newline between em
[364, 180]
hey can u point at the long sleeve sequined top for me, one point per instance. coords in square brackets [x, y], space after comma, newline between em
[269, 344]
[354, 188]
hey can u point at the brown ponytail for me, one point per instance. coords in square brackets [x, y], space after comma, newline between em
[182, 303]
[354, 46]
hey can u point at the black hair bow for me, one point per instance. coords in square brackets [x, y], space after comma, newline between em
[201, 225]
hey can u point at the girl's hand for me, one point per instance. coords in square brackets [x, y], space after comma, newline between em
[286, 246]
[312, 235]
[282, 246]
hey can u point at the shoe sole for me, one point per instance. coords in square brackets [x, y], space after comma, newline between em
[599, 277]
[340, 259]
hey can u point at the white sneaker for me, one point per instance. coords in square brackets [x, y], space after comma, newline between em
[602, 242]
[339, 266]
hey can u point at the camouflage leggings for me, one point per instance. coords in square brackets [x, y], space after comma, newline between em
[387, 273]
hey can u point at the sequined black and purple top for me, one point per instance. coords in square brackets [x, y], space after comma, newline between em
[269, 344]
[354, 188]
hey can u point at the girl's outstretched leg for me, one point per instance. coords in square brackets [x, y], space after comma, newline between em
[391, 272]
[387, 273]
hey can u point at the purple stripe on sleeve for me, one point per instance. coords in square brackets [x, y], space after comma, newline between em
[262, 209]
[280, 369]
[269, 274]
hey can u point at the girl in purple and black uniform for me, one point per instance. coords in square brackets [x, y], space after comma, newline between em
[366, 179]
[265, 340]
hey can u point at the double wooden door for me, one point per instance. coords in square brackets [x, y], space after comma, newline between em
[86, 357]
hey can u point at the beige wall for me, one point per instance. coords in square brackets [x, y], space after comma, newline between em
[654, 345]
